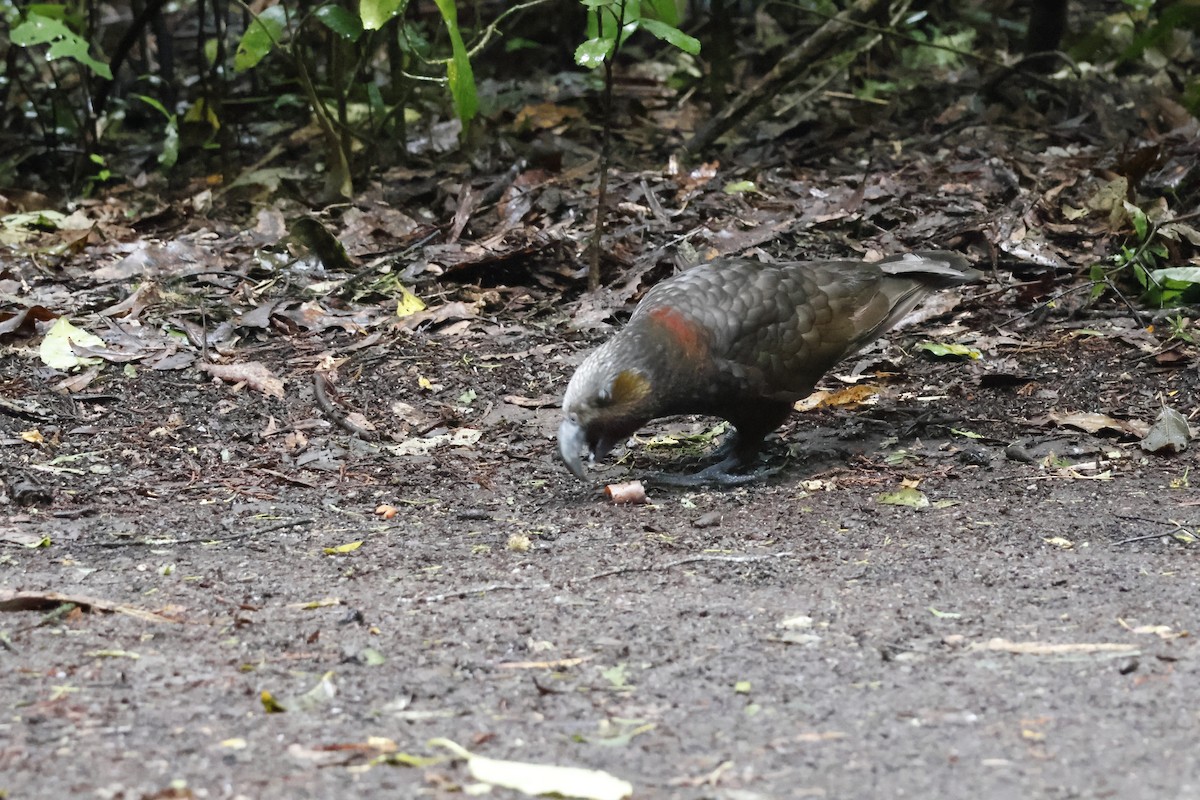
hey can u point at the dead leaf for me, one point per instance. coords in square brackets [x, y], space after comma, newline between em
[858, 395]
[545, 401]
[1092, 422]
[252, 373]
[45, 601]
[1170, 432]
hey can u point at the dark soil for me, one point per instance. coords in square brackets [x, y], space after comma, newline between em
[793, 638]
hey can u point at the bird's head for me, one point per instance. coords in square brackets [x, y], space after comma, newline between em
[603, 405]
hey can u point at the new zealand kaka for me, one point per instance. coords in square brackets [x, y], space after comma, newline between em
[741, 340]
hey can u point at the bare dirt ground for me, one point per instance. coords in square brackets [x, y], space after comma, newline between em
[1025, 635]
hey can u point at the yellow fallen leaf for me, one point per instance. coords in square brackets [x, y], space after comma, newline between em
[408, 304]
[270, 704]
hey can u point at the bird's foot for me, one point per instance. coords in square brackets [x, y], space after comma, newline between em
[719, 474]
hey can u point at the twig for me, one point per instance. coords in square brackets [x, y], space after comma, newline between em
[491, 587]
[1044, 304]
[321, 389]
[893, 33]
[605, 147]
[1132, 539]
[796, 62]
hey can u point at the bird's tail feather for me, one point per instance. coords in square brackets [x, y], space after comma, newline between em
[909, 279]
[937, 269]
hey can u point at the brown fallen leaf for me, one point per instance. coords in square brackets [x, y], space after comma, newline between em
[44, 601]
[545, 401]
[252, 373]
[1094, 423]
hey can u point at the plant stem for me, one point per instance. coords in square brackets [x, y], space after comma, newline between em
[605, 150]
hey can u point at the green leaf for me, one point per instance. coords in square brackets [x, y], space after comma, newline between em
[340, 21]
[376, 13]
[38, 29]
[515, 43]
[602, 21]
[664, 10]
[1182, 274]
[1140, 224]
[740, 187]
[671, 35]
[458, 71]
[591, 54]
[170, 151]
[260, 37]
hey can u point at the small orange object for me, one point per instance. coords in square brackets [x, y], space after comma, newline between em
[385, 511]
[631, 493]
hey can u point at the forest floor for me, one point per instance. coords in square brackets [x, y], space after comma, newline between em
[212, 588]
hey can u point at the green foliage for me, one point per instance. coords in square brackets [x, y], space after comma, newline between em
[100, 174]
[938, 49]
[458, 70]
[1142, 262]
[659, 18]
[261, 36]
[340, 21]
[49, 25]
[1159, 33]
[170, 149]
[377, 13]
[273, 28]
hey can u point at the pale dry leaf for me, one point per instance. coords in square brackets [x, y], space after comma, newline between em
[252, 373]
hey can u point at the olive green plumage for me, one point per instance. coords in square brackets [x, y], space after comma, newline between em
[741, 340]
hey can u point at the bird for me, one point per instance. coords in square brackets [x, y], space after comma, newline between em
[742, 340]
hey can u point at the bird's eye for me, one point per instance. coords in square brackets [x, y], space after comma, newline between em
[604, 397]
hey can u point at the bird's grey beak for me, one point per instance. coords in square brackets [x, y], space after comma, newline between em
[572, 444]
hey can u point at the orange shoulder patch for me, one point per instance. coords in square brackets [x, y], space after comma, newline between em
[690, 336]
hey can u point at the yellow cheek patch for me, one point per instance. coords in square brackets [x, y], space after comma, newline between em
[629, 387]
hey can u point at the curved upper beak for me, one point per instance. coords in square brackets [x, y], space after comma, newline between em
[572, 445]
